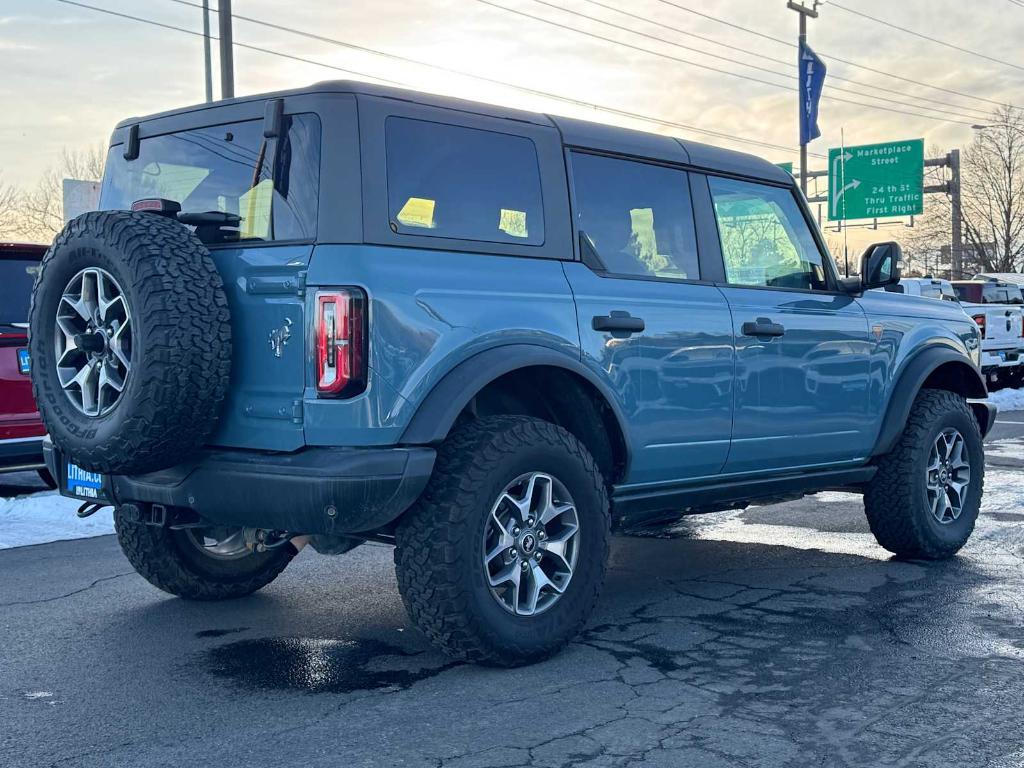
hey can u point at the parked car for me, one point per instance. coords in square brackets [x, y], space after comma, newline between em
[1014, 278]
[353, 313]
[21, 428]
[928, 287]
[996, 307]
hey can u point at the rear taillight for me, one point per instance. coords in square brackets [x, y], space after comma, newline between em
[980, 321]
[340, 333]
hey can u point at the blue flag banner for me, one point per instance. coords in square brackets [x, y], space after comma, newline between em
[812, 78]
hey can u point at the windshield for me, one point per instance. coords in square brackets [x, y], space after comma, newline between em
[272, 184]
[16, 279]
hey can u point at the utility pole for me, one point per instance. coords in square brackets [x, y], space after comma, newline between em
[227, 61]
[804, 12]
[206, 51]
[956, 252]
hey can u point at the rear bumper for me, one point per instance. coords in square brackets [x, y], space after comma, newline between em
[995, 359]
[19, 453]
[315, 490]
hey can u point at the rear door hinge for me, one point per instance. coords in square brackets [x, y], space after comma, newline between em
[300, 288]
[297, 411]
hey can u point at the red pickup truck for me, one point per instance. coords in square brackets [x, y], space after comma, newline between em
[21, 430]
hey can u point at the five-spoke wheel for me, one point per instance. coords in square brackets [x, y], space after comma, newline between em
[93, 341]
[948, 475]
[531, 543]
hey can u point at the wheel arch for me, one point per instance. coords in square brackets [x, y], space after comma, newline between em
[937, 367]
[531, 367]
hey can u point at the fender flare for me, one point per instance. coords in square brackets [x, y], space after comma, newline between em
[909, 383]
[441, 407]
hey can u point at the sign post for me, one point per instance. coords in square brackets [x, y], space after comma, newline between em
[876, 180]
[811, 78]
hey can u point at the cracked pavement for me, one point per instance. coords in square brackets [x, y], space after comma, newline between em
[776, 636]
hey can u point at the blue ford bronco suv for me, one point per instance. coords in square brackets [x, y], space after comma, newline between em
[350, 313]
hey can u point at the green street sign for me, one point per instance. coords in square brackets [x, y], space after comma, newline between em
[876, 180]
[787, 167]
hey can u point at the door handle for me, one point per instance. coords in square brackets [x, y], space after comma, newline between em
[762, 327]
[618, 321]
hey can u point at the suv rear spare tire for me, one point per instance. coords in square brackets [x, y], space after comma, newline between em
[130, 341]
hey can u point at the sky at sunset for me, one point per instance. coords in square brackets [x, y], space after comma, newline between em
[72, 72]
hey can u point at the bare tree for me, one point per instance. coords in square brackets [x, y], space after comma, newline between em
[992, 198]
[9, 205]
[993, 193]
[42, 208]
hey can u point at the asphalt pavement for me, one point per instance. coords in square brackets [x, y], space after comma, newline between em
[776, 636]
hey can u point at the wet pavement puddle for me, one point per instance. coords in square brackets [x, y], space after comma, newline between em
[321, 665]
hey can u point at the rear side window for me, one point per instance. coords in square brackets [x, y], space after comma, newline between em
[272, 184]
[765, 239]
[931, 291]
[637, 216]
[16, 279]
[462, 183]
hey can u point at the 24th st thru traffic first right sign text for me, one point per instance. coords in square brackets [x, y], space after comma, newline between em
[876, 180]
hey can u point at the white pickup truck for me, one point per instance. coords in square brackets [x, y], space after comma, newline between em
[996, 307]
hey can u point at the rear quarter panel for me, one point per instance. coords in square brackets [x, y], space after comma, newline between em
[429, 311]
[902, 327]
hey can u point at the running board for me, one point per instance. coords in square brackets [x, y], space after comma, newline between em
[645, 505]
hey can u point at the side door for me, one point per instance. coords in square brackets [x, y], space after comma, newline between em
[647, 322]
[802, 348]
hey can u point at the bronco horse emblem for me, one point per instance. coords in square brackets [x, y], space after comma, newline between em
[279, 337]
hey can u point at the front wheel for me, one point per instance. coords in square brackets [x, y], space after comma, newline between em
[212, 563]
[924, 499]
[502, 558]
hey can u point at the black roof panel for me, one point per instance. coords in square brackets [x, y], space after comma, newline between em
[581, 133]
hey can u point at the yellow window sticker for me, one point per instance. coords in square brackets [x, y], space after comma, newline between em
[417, 212]
[254, 207]
[513, 223]
[643, 240]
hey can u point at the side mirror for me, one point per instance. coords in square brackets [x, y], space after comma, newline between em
[880, 265]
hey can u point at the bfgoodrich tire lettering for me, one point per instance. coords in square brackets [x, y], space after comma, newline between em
[438, 562]
[897, 499]
[181, 342]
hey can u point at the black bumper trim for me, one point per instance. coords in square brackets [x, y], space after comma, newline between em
[21, 451]
[315, 490]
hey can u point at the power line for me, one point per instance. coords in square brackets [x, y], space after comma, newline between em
[832, 57]
[155, 23]
[785, 62]
[787, 75]
[923, 36]
[670, 57]
[576, 102]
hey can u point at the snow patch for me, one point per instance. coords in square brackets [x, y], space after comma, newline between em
[44, 517]
[1007, 399]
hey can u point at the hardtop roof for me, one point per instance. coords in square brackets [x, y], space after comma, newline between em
[579, 133]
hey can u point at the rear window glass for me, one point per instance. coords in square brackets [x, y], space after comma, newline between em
[968, 293]
[462, 183]
[271, 184]
[1001, 294]
[16, 279]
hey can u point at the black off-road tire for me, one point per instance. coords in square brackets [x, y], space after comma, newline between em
[439, 540]
[169, 561]
[896, 499]
[181, 342]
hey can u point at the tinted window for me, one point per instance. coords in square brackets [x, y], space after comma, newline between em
[1001, 293]
[637, 216]
[273, 185]
[968, 292]
[16, 278]
[765, 238]
[463, 183]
